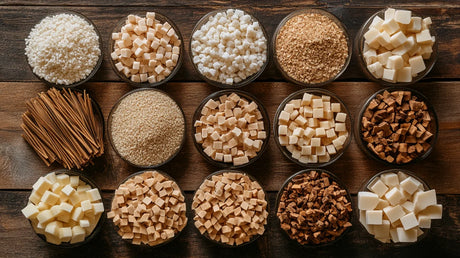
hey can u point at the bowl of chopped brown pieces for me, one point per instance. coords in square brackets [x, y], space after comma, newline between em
[314, 208]
[397, 125]
[311, 47]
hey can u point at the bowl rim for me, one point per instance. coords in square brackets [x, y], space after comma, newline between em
[265, 119]
[371, 179]
[348, 122]
[254, 237]
[109, 128]
[334, 19]
[96, 66]
[169, 177]
[248, 79]
[359, 44]
[341, 185]
[100, 222]
[162, 18]
[431, 110]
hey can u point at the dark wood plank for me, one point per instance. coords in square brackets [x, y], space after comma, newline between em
[442, 241]
[20, 167]
[17, 22]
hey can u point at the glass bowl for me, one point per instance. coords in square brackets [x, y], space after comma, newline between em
[140, 173]
[331, 176]
[255, 237]
[247, 80]
[364, 188]
[433, 126]
[109, 129]
[160, 17]
[359, 46]
[102, 216]
[299, 95]
[310, 11]
[247, 96]
[96, 66]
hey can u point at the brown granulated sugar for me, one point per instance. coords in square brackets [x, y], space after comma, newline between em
[311, 48]
[147, 128]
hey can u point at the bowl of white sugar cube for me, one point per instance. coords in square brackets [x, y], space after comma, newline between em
[229, 48]
[396, 47]
[397, 207]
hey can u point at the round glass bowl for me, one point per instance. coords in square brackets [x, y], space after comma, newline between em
[245, 81]
[111, 140]
[255, 237]
[335, 179]
[96, 66]
[434, 127]
[249, 98]
[311, 11]
[359, 47]
[298, 95]
[370, 181]
[160, 17]
[168, 177]
[102, 216]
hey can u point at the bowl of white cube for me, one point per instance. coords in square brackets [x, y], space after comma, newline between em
[397, 207]
[396, 47]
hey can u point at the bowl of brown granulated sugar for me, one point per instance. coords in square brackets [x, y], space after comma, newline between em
[311, 47]
[146, 128]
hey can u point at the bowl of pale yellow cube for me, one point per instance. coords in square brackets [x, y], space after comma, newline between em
[397, 207]
[65, 208]
[396, 47]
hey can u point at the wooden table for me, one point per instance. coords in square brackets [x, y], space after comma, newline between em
[20, 166]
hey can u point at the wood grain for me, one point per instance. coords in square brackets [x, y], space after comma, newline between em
[441, 241]
[15, 28]
[20, 166]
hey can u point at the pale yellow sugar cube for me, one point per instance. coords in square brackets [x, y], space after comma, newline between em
[383, 58]
[404, 74]
[143, 77]
[382, 231]
[390, 179]
[341, 117]
[395, 62]
[78, 234]
[312, 159]
[324, 158]
[384, 39]
[65, 234]
[320, 151]
[389, 14]
[394, 213]
[284, 117]
[370, 56]
[403, 16]
[53, 227]
[424, 199]
[325, 124]
[293, 139]
[318, 113]
[66, 207]
[44, 216]
[98, 208]
[30, 211]
[84, 223]
[228, 158]
[372, 38]
[312, 122]
[378, 187]
[409, 221]
[306, 99]
[335, 107]
[300, 120]
[398, 39]
[86, 206]
[340, 127]
[284, 140]
[41, 206]
[423, 36]
[77, 214]
[427, 21]
[282, 130]
[417, 64]
[367, 200]
[42, 185]
[317, 103]
[119, 66]
[376, 69]
[362, 220]
[289, 108]
[320, 132]
[309, 132]
[294, 115]
[219, 156]
[315, 142]
[433, 211]
[331, 149]
[408, 206]
[394, 196]
[389, 75]
[382, 204]
[424, 221]
[49, 198]
[306, 150]
[415, 24]
[390, 26]
[376, 23]
[374, 217]
[394, 235]
[410, 185]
